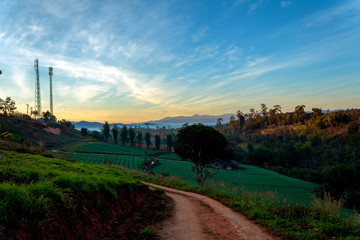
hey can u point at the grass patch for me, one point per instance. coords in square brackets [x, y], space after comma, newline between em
[30, 185]
[289, 221]
[149, 232]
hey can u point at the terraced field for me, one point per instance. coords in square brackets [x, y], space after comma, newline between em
[108, 148]
[250, 177]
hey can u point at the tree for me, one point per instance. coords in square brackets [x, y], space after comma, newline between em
[202, 145]
[148, 139]
[139, 138]
[157, 142]
[106, 131]
[132, 136]
[84, 131]
[169, 142]
[0, 72]
[7, 106]
[115, 133]
[48, 116]
[124, 134]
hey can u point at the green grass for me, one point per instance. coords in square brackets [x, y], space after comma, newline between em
[109, 148]
[30, 185]
[250, 177]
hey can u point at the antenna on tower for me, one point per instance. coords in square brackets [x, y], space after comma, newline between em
[37, 88]
[51, 95]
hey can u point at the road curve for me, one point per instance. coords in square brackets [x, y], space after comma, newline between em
[199, 217]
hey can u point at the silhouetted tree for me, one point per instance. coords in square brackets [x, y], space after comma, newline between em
[106, 131]
[124, 134]
[157, 142]
[115, 133]
[139, 138]
[169, 142]
[7, 106]
[84, 131]
[148, 139]
[132, 136]
[48, 117]
[202, 145]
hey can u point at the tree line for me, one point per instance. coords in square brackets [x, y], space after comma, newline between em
[131, 136]
[318, 146]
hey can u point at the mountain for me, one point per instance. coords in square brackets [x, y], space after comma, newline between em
[174, 122]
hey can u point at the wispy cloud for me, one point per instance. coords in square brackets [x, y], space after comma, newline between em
[200, 34]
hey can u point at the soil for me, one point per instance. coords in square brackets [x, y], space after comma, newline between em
[195, 216]
[123, 218]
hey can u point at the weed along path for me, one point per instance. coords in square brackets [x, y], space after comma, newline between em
[195, 216]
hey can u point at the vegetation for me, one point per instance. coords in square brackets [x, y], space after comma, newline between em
[321, 221]
[317, 146]
[202, 145]
[148, 139]
[7, 106]
[115, 133]
[124, 135]
[157, 142]
[106, 131]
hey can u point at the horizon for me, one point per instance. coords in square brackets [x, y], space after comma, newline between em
[132, 61]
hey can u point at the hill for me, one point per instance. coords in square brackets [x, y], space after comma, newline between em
[49, 198]
[49, 135]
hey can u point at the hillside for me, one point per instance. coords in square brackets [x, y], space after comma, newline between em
[33, 132]
[49, 198]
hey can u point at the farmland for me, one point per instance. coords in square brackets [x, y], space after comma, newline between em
[250, 177]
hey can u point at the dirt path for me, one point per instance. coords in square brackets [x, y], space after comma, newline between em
[199, 217]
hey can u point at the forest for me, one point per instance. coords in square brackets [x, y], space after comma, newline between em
[317, 146]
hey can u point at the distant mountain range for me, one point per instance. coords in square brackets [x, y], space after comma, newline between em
[173, 122]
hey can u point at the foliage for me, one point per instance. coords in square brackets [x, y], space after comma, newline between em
[149, 232]
[84, 131]
[157, 142]
[106, 131]
[7, 106]
[147, 139]
[202, 145]
[148, 165]
[115, 133]
[124, 135]
[48, 117]
[132, 136]
[139, 138]
[169, 142]
[30, 185]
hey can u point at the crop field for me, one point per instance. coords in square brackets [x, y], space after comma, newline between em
[108, 148]
[171, 156]
[249, 177]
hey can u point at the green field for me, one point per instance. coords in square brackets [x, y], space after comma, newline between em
[108, 148]
[250, 177]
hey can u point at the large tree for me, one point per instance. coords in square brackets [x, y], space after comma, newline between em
[106, 131]
[139, 138]
[7, 106]
[157, 141]
[169, 142]
[202, 145]
[132, 136]
[115, 133]
[124, 134]
[148, 139]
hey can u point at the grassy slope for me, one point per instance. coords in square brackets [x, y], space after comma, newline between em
[250, 177]
[35, 132]
[31, 186]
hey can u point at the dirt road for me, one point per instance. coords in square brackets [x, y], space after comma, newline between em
[199, 217]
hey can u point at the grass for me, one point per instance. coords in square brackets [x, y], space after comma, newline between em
[250, 177]
[109, 148]
[30, 185]
[321, 221]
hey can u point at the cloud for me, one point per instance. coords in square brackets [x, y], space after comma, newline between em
[200, 34]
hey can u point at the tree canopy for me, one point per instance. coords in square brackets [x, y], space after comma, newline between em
[7, 106]
[202, 145]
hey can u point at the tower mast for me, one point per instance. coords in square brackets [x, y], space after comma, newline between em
[51, 95]
[37, 88]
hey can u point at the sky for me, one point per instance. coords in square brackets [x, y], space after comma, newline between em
[132, 61]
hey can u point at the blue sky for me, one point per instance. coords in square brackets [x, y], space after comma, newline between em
[132, 61]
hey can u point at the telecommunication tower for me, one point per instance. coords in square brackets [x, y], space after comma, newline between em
[51, 95]
[37, 88]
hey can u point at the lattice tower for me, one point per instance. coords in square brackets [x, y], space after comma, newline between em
[51, 95]
[37, 88]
